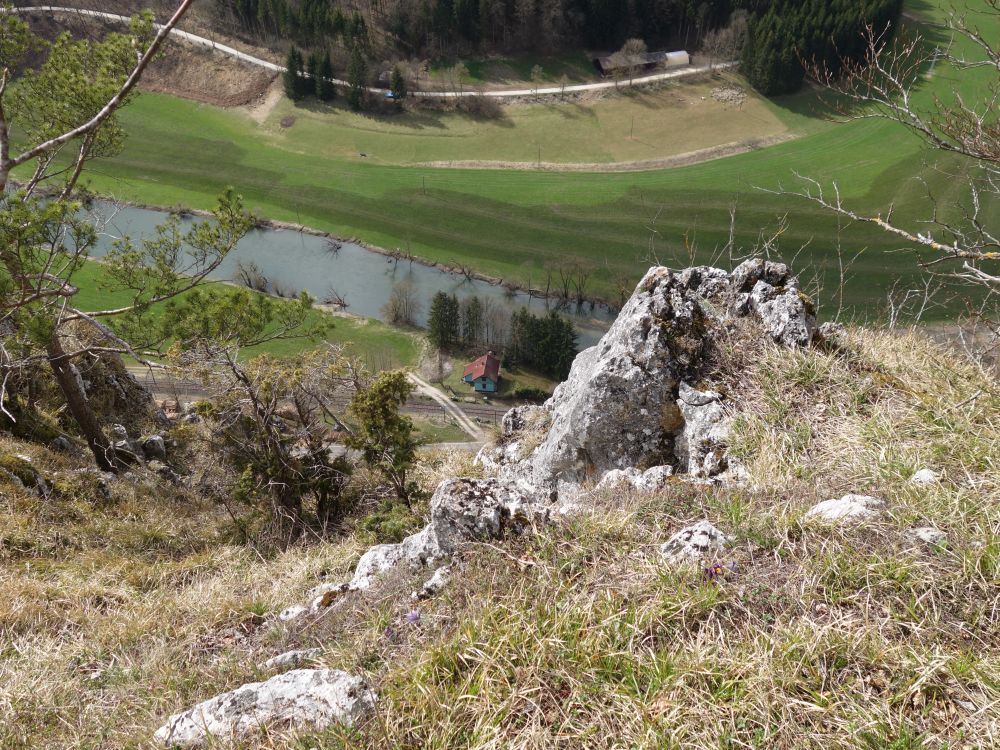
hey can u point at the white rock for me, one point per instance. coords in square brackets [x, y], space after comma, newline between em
[693, 543]
[462, 510]
[301, 698]
[701, 443]
[654, 479]
[650, 480]
[293, 612]
[433, 585]
[154, 447]
[290, 659]
[618, 409]
[925, 476]
[847, 508]
[928, 535]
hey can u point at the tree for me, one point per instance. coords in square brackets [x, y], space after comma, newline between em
[292, 77]
[443, 324]
[270, 420]
[472, 321]
[563, 83]
[357, 78]
[459, 73]
[960, 232]
[537, 76]
[382, 434]
[403, 305]
[397, 84]
[325, 90]
[633, 54]
[72, 97]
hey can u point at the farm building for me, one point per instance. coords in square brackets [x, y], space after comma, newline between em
[483, 374]
[608, 65]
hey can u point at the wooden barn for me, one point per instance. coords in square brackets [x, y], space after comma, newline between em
[614, 63]
[483, 374]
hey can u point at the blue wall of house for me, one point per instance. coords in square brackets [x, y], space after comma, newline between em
[484, 385]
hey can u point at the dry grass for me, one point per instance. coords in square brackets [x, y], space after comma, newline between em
[578, 637]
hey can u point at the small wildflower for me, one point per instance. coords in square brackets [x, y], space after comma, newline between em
[412, 616]
[717, 570]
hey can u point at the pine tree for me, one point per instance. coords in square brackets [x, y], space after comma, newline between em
[444, 321]
[397, 84]
[293, 65]
[325, 89]
[472, 321]
[313, 66]
[357, 78]
[437, 332]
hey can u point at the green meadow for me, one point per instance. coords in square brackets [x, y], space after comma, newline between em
[511, 224]
[375, 343]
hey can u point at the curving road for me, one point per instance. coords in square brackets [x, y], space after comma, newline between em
[498, 93]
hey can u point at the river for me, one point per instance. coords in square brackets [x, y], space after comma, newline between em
[298, 261]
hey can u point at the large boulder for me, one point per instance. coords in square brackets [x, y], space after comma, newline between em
[300, 698]
[628, 403]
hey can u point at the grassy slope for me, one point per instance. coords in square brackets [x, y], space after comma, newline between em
[120, 613]
[662, 122]
[373, 342]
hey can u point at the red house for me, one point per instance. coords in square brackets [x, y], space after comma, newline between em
[483, 374]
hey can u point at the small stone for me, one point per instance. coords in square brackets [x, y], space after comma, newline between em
[848, 508]
[154, 447]
[925, 476]
[290, 659]
[292, 613]
[928, 535]
[62, 443]
[434, 584]
[315, 698]
[694, 543]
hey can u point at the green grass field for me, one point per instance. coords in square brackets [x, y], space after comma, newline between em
[378, 345]
[510, 223]
[641, 124]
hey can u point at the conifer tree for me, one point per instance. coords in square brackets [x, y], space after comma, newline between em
[293, 66]
[357, 78]
[325, 89]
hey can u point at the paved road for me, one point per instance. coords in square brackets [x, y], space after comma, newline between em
[498, 93]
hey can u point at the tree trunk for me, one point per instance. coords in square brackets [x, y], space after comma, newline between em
[79, 406]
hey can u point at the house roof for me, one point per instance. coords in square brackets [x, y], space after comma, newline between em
[487, 365]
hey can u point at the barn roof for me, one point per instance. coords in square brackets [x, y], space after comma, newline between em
[487, 365]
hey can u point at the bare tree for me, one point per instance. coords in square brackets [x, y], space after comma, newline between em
[882, 85]
[633, 53]
[403, 306]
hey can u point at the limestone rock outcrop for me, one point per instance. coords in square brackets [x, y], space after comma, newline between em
[631, 401]
[462, 510]
[299, 698]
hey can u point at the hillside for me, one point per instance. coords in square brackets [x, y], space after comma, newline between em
[131, 605]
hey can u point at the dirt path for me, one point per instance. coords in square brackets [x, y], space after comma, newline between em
[260, 110]
[426, 389]
[497, 93]
[665, 162]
